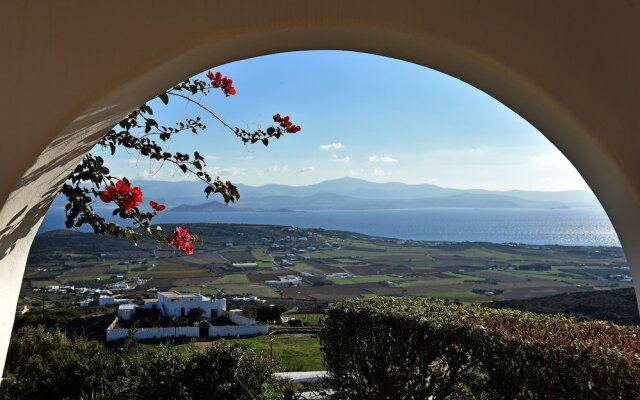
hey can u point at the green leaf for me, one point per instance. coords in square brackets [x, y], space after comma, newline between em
[164, 97]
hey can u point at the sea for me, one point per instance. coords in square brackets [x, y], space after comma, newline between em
[565, 227]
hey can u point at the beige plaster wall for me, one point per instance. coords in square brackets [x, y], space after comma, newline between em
[70, 69]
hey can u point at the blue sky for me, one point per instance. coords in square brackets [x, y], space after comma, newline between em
[363, 116]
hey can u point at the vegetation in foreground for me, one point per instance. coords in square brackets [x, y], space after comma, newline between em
[386, 348]
[373, 348]
[53, 366]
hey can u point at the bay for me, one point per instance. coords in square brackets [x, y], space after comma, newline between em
[566, 227]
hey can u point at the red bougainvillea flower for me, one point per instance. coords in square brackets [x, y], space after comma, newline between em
[156, 206]
[182, 240]
[187, 248]
[180, 237]
[217, 81]
[286, 124]
[123, 195]
[107, 195]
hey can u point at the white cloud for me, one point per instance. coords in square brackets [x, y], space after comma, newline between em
[133, 161]
[226, 171]
[354, 172]
[344, 160]
[244, 158]
[273, 170]
[384, 159]
[378, 172]
[277, 168]
[211, 157]
[233, 171]
[555, 159]
[146, 174]
[331, 146]
[306, 170]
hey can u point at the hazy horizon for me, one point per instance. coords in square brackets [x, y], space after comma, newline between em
[239, 182]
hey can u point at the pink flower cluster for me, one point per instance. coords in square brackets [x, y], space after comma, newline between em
[125, 196]
[182, 240]
[286, 124]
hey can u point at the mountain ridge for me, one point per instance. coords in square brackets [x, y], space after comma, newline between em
[353, 193]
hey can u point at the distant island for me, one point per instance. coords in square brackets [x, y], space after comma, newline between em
[214, 206]
[358, 194]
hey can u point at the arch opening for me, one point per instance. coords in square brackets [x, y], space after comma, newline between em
[561, 111]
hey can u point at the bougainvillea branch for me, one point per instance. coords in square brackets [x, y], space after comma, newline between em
[91, 181]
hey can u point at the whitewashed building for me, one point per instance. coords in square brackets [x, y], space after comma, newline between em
[173, 304]
[126, 311]
[286, 281]
[106, 300]
[120, 286]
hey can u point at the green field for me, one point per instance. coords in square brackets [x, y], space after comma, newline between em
[262, 258]
[307, 319]
[291, 352]
[380, 266]
[231, 278]
[362, 279]
[43, 284]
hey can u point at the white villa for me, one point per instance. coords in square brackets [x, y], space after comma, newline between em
[173, 304]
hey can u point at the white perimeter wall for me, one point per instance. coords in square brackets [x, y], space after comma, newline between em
[245, 327]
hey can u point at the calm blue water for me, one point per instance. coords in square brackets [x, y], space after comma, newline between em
[568, 227]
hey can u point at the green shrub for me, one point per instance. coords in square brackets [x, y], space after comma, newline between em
[52, 366]
[388, 348]
[224, 370]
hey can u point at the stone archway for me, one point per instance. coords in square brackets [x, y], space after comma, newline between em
[71, 70]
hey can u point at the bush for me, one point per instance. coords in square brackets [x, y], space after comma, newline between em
[222, 371]
[386, 348]
[195, 314]
[268, 314]
[52, 366]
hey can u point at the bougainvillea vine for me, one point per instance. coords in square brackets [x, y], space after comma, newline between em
[141, 133]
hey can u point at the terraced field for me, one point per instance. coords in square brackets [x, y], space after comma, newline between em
[467, 272]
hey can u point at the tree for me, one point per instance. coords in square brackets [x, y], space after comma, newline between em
[194, 314]
[268, 314]
[139, 132]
